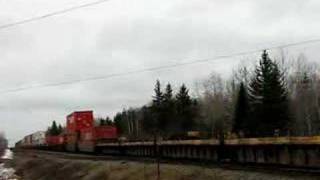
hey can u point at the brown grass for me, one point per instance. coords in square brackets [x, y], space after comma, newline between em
[45, 167]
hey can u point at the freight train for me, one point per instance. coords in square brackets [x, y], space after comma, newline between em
[81, 135]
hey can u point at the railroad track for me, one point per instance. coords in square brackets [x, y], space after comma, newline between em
[266, 168]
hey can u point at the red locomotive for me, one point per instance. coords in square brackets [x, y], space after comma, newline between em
[76, 123]
[82, 135]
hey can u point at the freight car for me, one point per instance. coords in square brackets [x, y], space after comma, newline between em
[38, 138]
[33, 140]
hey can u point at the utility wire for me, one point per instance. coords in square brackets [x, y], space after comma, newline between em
[54, 13]
[109, 76]
[63, 11]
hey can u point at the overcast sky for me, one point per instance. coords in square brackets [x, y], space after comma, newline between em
[125, 35]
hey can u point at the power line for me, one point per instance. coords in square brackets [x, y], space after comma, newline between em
[54, 13]
[310, 41]
[108, 76]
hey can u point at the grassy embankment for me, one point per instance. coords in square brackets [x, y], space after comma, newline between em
[44, 167]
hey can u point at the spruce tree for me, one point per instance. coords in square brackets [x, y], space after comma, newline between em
[158, 97]
[183, 97]
[169, 110]
[157, 108]
[60, 129]
[119, 123]
[101, 122]
[54, 129]
[241, 113]
[184, 109]
[168, 96]
[108, 121]
[268, 97]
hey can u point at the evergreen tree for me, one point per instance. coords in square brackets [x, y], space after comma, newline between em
[157, 108]
[54, 129]
[101, 122]
[269, 101]
[241, 113]
[168, 96]
[158, 97]
[108, 121]
[184, 109]
[60, 129]
[119, 123]
[183, 97]
[169, 110]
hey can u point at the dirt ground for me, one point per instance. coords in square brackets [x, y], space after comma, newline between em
[45, 167]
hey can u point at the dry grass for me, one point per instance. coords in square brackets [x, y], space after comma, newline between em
[52, 168]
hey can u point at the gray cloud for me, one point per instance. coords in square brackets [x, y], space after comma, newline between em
[121, 36]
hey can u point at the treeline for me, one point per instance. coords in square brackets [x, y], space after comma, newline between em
[54, 129]
[274, 98]
[167, 114]
[104, 121]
